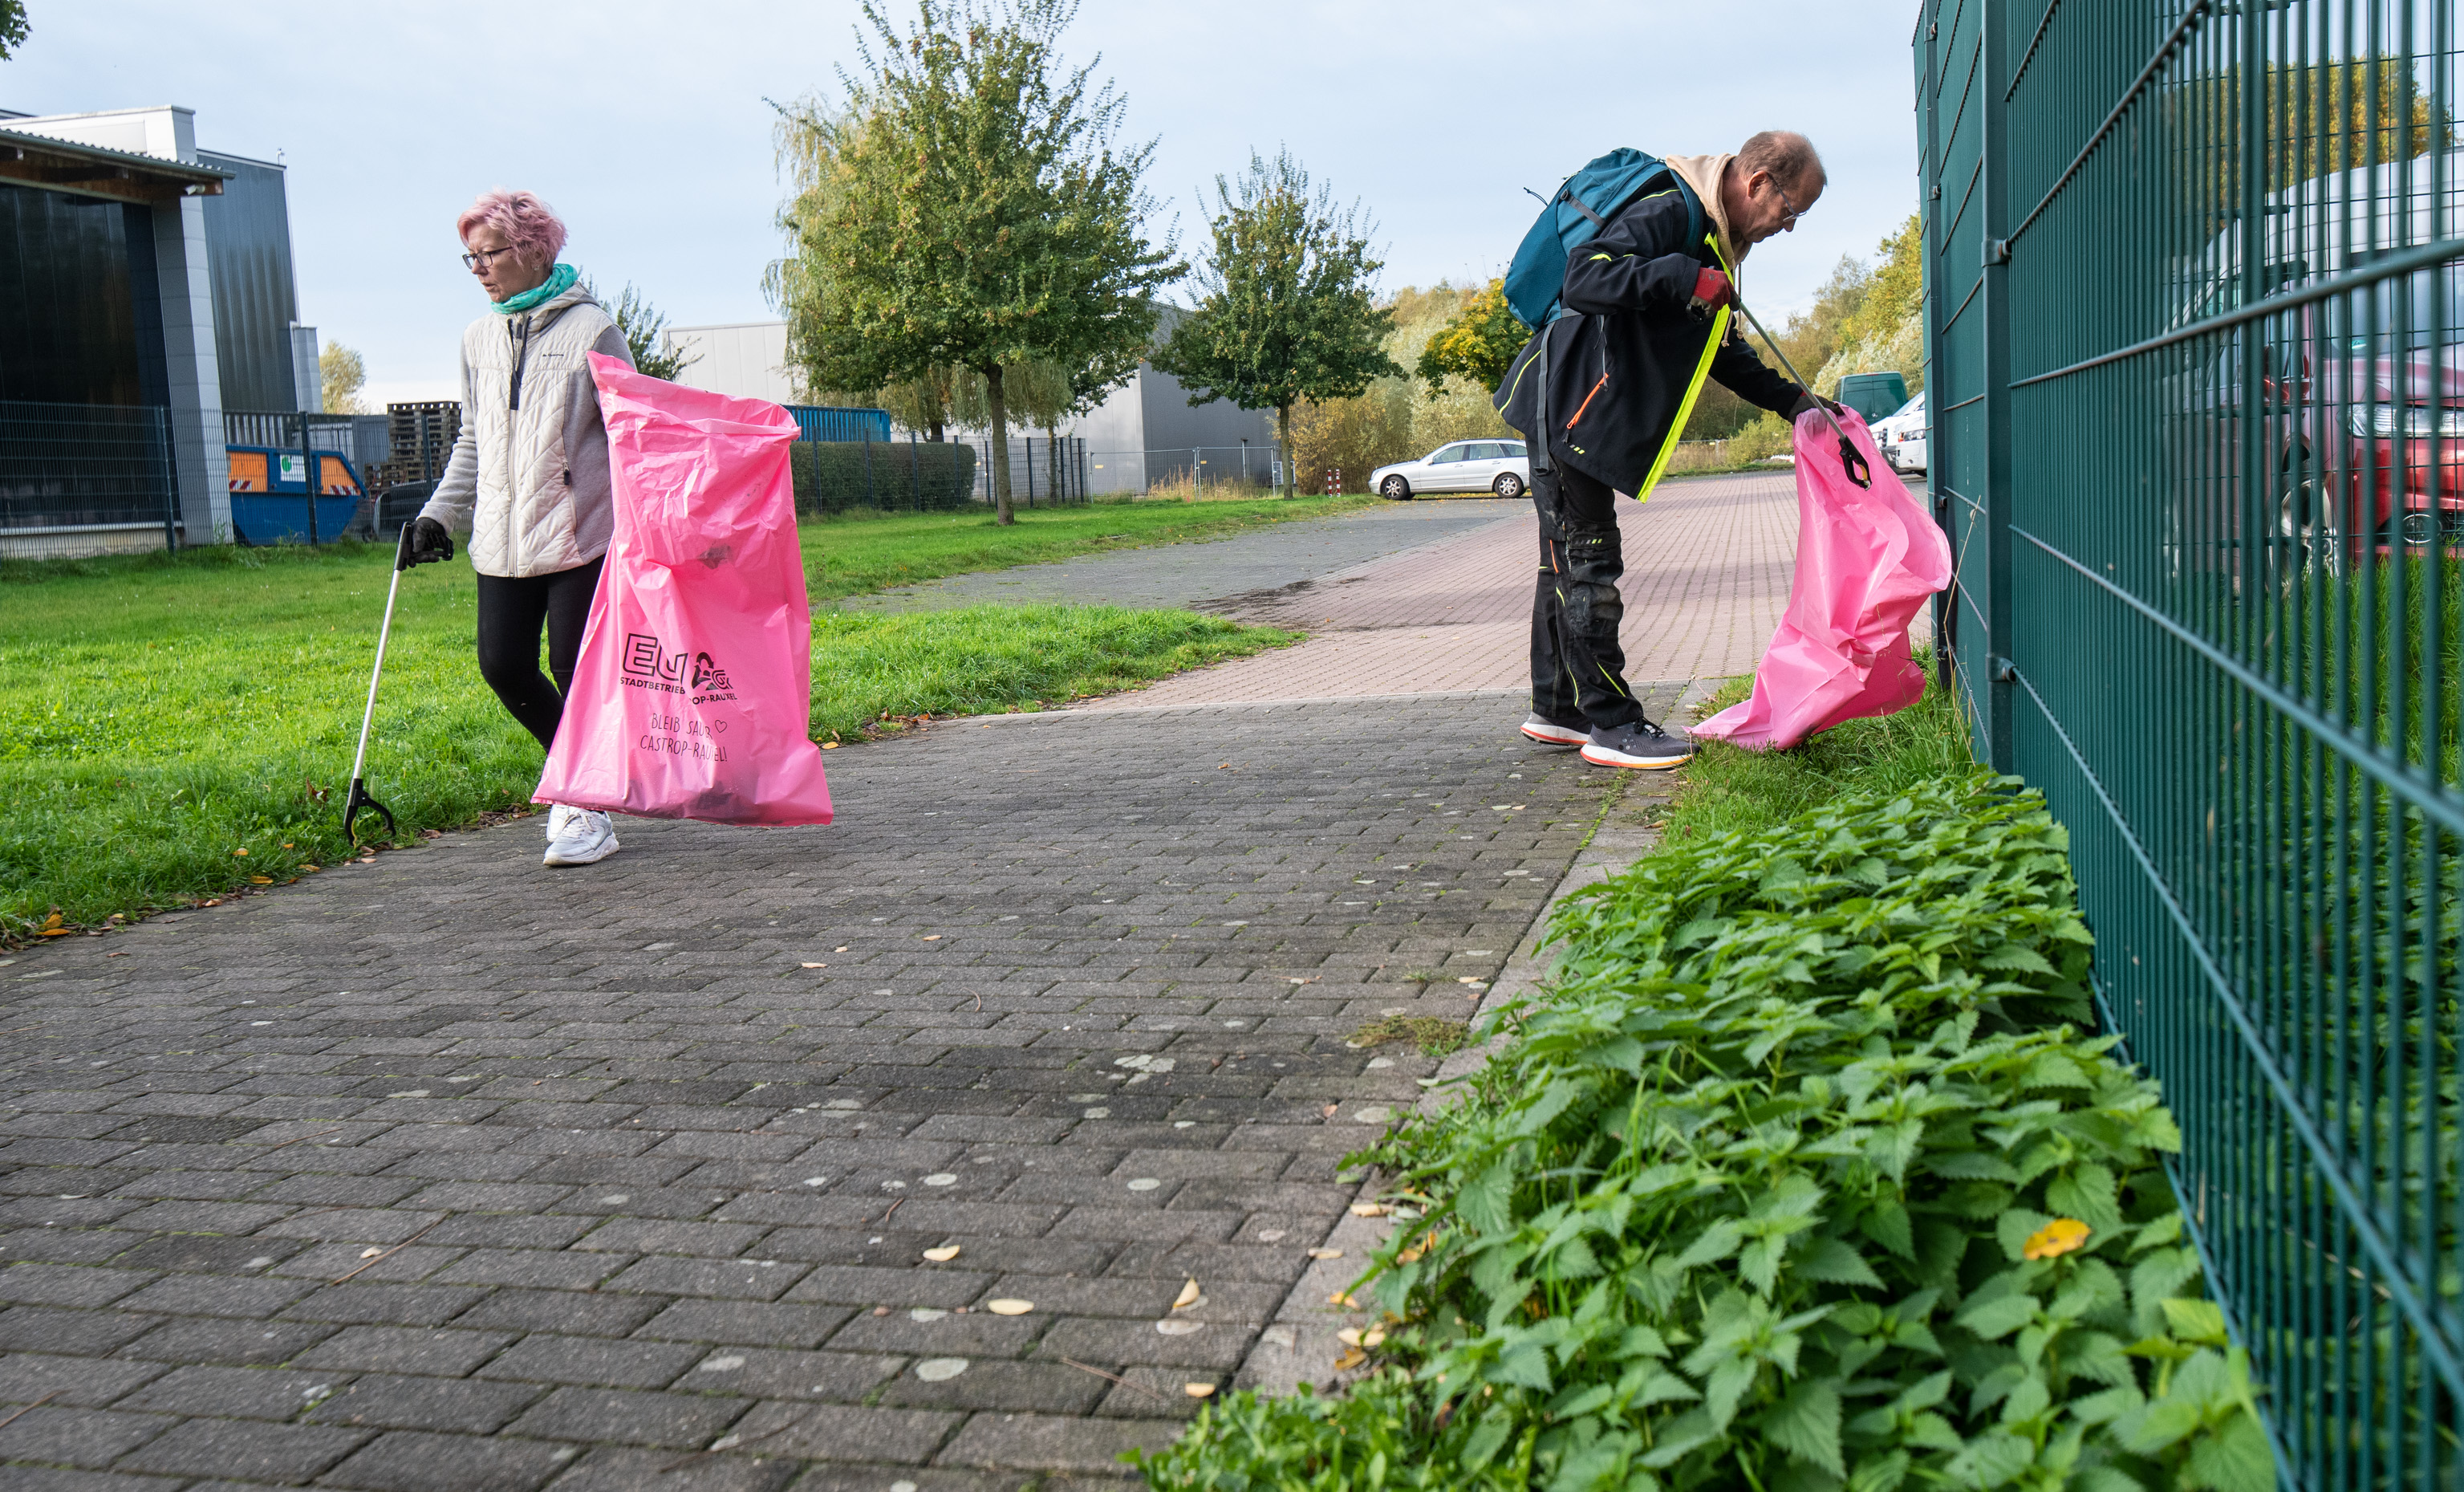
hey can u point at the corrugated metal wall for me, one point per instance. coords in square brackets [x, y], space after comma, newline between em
[247, 246]
[68, 317]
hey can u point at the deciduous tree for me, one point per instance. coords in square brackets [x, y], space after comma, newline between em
[970, 204]
[1287, 312]
[1478, 343]
[341, 375]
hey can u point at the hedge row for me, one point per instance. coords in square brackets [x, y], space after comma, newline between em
[1803, 1176]
[833, 476]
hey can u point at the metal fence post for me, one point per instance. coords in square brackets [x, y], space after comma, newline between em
[170, 482]
[308, 474]
[1995, 295]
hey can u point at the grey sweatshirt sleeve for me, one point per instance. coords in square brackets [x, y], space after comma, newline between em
[457, 489]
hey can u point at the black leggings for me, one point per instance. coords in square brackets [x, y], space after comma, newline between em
[510, 609]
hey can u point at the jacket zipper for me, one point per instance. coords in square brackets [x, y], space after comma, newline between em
[1587, 401]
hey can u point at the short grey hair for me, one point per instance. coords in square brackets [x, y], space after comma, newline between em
[1786, 155]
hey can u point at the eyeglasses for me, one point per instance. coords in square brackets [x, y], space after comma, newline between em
[1793, 211]
[473, 260]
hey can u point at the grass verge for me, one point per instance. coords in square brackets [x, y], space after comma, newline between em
[1731, 789]
[176, 731]
[858, 551]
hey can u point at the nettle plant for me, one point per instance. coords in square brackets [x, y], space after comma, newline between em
[1801, 1177]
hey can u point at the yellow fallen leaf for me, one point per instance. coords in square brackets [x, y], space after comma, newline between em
[2056, 1238]
[1188, 1296]
[1370, 1210]
[1197, 1390]
[1349, 1336]
[1326, 1252]
[942, 1255]
[370, 1253]
[931, 937]
[817, 966]
[1350, 1360]
[260, 880]
[829, 746]
[1009, 1307]
[1375, 1336]
[1341, 1298]
[312, 867]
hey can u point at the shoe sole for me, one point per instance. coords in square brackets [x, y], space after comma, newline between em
[1551, 735]
[1642, 763]
[590, 857]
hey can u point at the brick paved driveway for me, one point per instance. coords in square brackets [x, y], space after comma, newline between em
[449, 1172]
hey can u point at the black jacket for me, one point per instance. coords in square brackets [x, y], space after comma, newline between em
[1619, 372]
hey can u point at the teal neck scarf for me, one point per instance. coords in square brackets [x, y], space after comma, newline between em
[560, 279]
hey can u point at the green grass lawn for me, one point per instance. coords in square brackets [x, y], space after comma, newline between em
[161, 716]
[860, 552]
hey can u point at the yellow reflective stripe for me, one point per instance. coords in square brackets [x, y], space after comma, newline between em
[1686, 409]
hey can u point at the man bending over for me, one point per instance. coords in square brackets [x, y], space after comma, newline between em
[1622, 376]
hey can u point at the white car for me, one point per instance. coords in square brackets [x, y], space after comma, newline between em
[1498, 466]
[1902, 434]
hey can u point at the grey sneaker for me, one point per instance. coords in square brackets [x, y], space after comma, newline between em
[1549, 732]
[590, 836]
[1642, 746]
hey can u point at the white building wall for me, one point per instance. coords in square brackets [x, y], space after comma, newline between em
[745, 359]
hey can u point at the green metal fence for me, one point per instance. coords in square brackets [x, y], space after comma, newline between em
[2193, 298]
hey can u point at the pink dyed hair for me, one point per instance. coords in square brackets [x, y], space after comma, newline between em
[534, 229]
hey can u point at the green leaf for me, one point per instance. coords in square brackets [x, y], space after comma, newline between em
[2202, 1322]
[1715, 1243]
[2235, 1458]
[1832, 1262]
[1486, 1438]
[1806, 1424]
[1996, 1319]
[1887, 1223]
[1483, 1205]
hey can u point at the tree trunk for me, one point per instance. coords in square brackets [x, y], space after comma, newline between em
[1284, 442]
[1003, 513]
[936, 433]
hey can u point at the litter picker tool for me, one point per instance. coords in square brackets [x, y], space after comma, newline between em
[358, 801]
[1850, 459]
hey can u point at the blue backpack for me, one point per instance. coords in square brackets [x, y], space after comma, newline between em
[1582, 208]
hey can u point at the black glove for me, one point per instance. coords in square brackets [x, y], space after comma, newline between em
[429, 541]
[1808, 402]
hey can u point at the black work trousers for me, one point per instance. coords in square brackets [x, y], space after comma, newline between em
[1578, 665]
[512, 608]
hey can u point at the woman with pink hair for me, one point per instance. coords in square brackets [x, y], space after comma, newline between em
[528, 478]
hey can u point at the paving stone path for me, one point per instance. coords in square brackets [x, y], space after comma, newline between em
[450, 1173]
[447, 1173]
[1182, 574]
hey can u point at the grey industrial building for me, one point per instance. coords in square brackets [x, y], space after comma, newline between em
[145, 289]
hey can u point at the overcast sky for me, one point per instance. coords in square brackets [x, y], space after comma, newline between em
[645, 125]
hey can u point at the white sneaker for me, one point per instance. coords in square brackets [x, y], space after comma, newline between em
[559, 814]
[589, 835]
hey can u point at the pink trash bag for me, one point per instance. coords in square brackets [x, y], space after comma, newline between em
[695, 687]
[1866, 560]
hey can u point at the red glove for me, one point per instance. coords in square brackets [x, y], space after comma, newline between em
[1711, 290]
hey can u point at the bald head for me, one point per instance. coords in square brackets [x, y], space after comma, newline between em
[1771, 183]
[1784, 155]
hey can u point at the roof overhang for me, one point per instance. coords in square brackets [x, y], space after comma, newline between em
[31, 160]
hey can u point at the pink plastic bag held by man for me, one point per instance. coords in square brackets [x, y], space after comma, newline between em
[1866, 560]
[693, 691]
